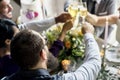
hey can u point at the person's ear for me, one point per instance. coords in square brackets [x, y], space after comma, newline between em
[7, 41]
[43, 54]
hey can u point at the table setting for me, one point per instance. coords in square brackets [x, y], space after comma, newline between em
[110, 68]
[110, 55]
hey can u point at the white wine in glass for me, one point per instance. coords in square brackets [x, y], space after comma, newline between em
[83, 11]
[73, 10]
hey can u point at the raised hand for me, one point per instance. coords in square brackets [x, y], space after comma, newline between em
[87, 28]
[64, 17]
[67, 26]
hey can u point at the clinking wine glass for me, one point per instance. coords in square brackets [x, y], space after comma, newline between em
[73, 10]
[82, 9]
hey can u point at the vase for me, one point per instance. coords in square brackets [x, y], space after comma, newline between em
[30, 10]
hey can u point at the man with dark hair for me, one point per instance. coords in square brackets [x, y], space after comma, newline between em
[6, 12]
[7, 31]
[29, 51]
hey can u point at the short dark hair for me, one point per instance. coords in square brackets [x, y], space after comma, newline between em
[25, 48]
[6, 31]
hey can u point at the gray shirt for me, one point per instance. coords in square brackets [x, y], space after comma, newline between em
[38, 26]
[105, 7]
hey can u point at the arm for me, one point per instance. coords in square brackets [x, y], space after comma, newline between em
[45, 24]
[92, 63]
[101, 20]
[58, 45]
[38, 25]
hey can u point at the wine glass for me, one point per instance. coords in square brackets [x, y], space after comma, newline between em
[73, 10]
[82, 9]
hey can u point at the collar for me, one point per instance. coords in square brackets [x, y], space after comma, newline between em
[98, 1]
[38, 72]
[41, 74]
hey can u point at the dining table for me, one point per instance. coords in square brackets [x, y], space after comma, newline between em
[110, 56]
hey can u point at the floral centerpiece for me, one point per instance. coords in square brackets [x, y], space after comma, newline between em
[73, 45]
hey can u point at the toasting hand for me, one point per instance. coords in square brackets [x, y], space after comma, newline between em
[87, 28]
[64, 17]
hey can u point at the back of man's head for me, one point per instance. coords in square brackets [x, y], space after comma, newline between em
[25, 48]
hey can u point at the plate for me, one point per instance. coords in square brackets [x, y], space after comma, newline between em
[112, 70]
[113, 54]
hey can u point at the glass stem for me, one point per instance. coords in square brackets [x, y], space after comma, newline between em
[83, 20]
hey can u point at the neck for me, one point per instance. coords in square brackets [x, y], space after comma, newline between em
[40, 65]
[4, 51]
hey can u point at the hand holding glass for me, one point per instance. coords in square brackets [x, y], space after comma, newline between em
[73, 10]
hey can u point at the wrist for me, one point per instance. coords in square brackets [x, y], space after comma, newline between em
[88, 35]
[62, 36]
[56, 19]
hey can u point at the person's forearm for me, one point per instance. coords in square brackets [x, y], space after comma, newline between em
[92, 55]
[92, 62]
[38, 25]
[92, 65]
[91, 48]
[62, 36]
[101, 20]
[96, 20]
[93, 19]
[113, 19]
